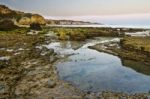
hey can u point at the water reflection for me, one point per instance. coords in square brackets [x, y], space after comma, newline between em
[137, 66]
[91, 70]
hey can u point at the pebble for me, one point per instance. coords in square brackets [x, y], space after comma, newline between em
[51, 84]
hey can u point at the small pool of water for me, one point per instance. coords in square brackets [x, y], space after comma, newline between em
[90, 70]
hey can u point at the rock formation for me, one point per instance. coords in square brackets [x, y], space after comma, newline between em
[33, 19]
[20, 17]
[38, 19]
[24, 21]
[7, 24]
[4, 10]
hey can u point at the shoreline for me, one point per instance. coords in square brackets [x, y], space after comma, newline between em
[106, 26]
[33, 72]
[103, 94]
[28, 69]
[115, 48]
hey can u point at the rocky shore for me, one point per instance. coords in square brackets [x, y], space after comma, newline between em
[129, 48]
[27, 69]
[29, 72]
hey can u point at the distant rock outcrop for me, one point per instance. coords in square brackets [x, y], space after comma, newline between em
[24, 21]
[6, 13]
[69, 22]
[38, 19]
[21, 18]
[33, 19]
[4, 10]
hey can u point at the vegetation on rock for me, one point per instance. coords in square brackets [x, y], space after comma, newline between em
[20, 17]
[82, 33]
[5, 12]
[131, 48]
[29, 71]
[32, 19]
[139, 44]
[7, 25]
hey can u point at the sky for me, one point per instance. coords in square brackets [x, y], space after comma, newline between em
[104, 11]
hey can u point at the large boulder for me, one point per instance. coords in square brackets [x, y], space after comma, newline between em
[35, 26]
[38, 19]
[33, 19]
[25, 21]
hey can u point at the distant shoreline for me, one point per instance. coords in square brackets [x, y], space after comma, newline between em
[107, 26]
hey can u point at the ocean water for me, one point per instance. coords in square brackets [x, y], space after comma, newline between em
[111, 26]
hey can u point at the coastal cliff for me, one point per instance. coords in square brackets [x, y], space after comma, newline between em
[21, 18]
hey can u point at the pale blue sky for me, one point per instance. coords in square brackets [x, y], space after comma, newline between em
[80, 7]
[104, 11]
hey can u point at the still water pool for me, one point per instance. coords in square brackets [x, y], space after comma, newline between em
[90, 70]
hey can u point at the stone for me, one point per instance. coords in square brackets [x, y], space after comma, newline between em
[35, 26]
[24, 21]
[51, 84]
[38, 19]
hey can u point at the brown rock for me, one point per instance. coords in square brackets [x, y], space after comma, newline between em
[38, 19]
[7, 24]
[4, 9]
[33, 19]
[25, 21]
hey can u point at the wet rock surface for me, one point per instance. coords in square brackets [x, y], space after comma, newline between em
[130, 48]
[32, 74]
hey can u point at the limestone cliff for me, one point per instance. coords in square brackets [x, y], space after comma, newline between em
[20, 18]
[4, 10]
[33, 19]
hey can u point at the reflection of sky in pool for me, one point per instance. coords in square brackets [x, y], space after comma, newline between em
[95, 71]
